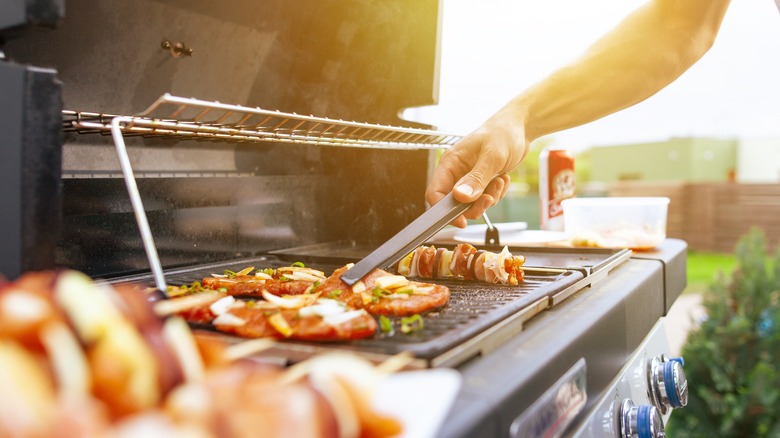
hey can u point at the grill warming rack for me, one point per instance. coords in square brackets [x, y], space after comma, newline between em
[179, 117]
[188, 118]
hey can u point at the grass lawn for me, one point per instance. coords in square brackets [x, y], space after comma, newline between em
[703, 268]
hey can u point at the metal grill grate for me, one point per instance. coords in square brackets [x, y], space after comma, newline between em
[473, 308]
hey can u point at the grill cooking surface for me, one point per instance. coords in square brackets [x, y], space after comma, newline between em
[473, 307]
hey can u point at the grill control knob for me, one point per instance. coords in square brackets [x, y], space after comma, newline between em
[667, 384]
[641, 421]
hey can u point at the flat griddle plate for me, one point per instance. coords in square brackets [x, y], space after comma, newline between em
[475, 309]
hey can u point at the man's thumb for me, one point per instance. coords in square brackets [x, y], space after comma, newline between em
[470, 187]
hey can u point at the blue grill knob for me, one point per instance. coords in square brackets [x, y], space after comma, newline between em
[641, 421]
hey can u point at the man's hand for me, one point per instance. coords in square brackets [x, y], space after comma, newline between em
[475, 168]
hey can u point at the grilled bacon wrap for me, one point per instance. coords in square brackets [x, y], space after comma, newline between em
[465, 262]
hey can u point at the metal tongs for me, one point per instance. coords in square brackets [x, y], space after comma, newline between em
[414, 234]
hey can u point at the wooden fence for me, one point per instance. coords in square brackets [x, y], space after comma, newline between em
[712, 216]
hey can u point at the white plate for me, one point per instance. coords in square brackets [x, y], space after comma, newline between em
[514, 238]
[477, 232]
[420, 399]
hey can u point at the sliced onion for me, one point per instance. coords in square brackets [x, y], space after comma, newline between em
[454, 259]
[423, 290]
[289, 301]
[324, 308]
[89, 306]
[67, 359]
[229, 319]
[263, 275]
[24, 306]
[280, 324]
[413, 271]
[397, 296]
[308, 271]
[303, 276]
[390, 282]
[222, 305]
[178, 336]
[501, 274]
[176, 305]
[405, 264]
[446, 260]
[341, 318]
[359, 287]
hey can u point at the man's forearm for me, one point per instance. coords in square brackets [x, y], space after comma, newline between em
[648, 50]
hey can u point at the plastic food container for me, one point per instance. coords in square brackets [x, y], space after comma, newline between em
[638, 223]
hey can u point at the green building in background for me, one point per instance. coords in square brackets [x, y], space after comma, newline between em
[677, 159]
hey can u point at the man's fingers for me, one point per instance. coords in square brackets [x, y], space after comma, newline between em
[460, 222]
[505, 178]
[480, 206]
[497, 188]
[471, 186]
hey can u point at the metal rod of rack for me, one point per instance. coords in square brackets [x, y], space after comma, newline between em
[135, 200]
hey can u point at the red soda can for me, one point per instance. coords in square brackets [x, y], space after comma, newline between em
[556, 183]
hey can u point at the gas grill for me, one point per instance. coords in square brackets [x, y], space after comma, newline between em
[215, 183]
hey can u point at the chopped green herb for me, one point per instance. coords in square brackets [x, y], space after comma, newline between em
[185, 289]
[378, 292]
[223, 289]
[298, 265]
[229, 273]
[334, 293]
[317, 283]
[385, 324]
[268, 271]
[411, 324]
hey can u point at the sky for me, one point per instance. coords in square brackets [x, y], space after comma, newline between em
[493, 49]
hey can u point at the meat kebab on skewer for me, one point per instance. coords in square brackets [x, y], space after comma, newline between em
[464, 262]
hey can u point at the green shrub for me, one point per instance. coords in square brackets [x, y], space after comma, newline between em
[732, 360]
